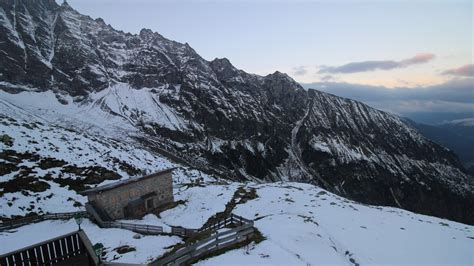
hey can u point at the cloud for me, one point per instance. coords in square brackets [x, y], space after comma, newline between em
[378, 65]
[430, 104]
[417, 59]
[464, 71]
[300, 70]
[327, 78]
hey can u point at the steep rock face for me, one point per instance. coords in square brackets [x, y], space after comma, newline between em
[244, 125]
[376, 158]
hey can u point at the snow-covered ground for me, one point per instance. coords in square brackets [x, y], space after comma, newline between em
[147, 248]
[112, 111]
[302, 224]
[305, 225]
[201, 203]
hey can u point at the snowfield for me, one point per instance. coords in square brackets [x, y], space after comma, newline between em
[305, 225]
[302, 224]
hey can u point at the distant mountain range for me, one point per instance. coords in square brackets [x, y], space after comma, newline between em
[456, 135]
[157, 94]
[452, 100]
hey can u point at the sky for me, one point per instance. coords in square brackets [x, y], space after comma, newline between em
[383, 44]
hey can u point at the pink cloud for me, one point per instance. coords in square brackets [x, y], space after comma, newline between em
[373, 65]
[418, 59]
[465, 71]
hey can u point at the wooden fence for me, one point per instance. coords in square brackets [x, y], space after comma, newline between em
[70, 249]
[68, 246]
[184, 232]
[216, 241]
[35, 219]
[231, 219]
[210, 244]
[138, 228]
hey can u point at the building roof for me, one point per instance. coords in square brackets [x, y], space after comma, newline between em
[120, 183]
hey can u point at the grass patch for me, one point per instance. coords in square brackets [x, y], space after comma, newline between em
[7, 140]
[7, 168]
[47, 163]
[91, 176]
[24, 183]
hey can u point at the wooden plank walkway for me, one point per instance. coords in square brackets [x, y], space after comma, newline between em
[243, 230]
[69, 249]
[208, 245]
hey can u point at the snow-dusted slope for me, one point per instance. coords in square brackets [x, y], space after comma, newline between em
[302, 225]
[43, 165]
[306, 225]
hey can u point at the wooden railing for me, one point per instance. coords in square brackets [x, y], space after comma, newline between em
[210, 244]
[231, 219]
[35, 219]
[138, 228]
[184, 232]
[73, 248]
[216, 241]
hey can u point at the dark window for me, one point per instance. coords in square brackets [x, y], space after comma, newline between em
[149, 203]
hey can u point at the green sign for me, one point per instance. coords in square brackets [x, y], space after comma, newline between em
[98, 248]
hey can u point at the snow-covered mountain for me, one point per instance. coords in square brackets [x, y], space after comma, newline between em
[457, 137]
[45, 165]
[148, 92]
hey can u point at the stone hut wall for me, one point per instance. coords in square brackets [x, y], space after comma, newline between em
[114, 201]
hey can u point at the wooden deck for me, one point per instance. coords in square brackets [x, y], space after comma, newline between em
[69, 249]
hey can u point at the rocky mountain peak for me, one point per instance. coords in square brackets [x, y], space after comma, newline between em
[65, 4]
[66, 7]
[146, 33]
[223, 68]
[100, 21]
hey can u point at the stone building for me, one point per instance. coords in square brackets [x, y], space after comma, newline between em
[133, 197]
